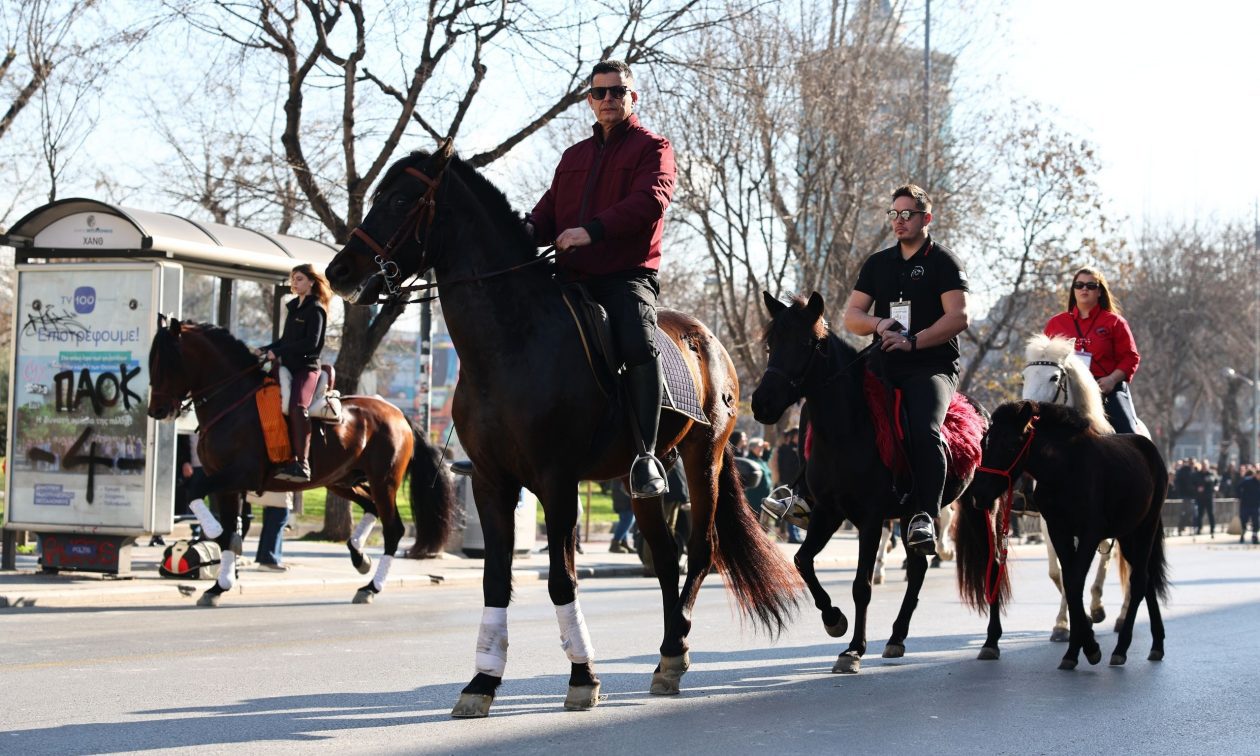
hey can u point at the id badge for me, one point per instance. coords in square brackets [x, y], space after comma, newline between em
[900, 312]
[1085, 357]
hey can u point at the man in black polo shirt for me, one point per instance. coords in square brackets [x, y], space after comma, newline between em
[919, 293]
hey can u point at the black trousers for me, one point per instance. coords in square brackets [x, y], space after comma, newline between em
[630, 299]
[925, 397]
[1119, 408]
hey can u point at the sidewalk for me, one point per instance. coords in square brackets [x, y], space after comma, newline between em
[320, 568]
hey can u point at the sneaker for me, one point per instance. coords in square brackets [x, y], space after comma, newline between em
[921, 535]
[295, 472]
[269, 567]
[617, 547]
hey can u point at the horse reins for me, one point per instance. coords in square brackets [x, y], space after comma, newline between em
[997, 554]
[798, 383]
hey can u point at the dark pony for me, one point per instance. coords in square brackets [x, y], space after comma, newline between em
[363, 457]
[1089, 487]
[845, 474]
[530, 411]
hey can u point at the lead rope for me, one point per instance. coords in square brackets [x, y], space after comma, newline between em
[999, 543]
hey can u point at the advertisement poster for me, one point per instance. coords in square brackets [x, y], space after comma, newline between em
[80, 392]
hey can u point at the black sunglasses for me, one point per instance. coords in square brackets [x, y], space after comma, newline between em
[1091, 285]
[599, 93]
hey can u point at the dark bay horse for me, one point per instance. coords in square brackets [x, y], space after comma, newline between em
[530, 412]
[1089, 487]
[846, 477]
[363, 458]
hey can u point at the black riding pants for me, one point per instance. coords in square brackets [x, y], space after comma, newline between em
[1119, 408]
[925, 398]
[630, 300]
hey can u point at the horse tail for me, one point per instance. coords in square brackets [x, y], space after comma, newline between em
[766, 586]
[432, 498]
[972, 545]
[1157, 567]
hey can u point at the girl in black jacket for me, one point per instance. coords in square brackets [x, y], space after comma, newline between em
[298, 349]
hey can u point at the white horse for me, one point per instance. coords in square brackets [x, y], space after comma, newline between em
[1053, 374]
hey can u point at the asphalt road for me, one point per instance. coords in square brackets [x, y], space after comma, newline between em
[275, 677]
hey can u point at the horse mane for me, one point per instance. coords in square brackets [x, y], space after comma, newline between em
[1053, 416]
[233, 349]
[488, 196]
[1081, 383]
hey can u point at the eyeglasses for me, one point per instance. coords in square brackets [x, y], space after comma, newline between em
[599, 93]
[905, 215]
[1091, 285]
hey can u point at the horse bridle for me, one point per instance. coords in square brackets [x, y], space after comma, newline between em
[419, 219]
[819, 346]
[1061, 389]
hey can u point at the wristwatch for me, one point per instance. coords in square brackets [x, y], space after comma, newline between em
[914, 341]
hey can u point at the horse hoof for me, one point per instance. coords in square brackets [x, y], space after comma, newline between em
[1093, 657]
[847, 664]
[1059, 635]
[839, 629]
[582, 697]
[1098, 615]
[1156, 655]
[668, 674]
[472, 706]
[877, 578]
[1118, 660]
[989, 653]
[365, 565]
[894, 651]
[1067, 664]
[208, 599]
[363, 596]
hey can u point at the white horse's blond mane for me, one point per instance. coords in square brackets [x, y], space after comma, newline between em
[1087, 398]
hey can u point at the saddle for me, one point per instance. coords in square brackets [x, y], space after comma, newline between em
[325, 405]
[962, 430]
[679, 394]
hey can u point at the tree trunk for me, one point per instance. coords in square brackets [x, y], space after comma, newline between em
[338, 519]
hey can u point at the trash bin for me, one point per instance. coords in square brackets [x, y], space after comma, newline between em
[470, 540]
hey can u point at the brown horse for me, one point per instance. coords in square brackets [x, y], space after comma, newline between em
[363, 457]
[530, 412]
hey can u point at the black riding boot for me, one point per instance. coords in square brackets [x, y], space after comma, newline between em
[643, 384]
[299, 470]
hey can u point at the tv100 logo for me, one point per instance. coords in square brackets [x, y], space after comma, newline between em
[84, 300]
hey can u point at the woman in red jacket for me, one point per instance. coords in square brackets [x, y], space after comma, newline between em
[1103, 341]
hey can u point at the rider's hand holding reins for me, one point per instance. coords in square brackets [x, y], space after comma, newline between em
[572, 237]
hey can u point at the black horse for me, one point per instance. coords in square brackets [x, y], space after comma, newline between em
[363, 457]
[846, 476]
[530, 411]
[1089, 487]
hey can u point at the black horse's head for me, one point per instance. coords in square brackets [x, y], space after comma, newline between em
[168, 384]
[796, 335]
[1004, 452]
[389, 245]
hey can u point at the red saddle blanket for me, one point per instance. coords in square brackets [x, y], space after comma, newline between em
[963, 429]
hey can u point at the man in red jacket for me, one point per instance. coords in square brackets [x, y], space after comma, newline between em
[605, 211]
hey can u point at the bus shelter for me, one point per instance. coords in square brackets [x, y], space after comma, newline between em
[88, 471]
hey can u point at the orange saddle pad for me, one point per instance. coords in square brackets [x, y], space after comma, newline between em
[275, 429]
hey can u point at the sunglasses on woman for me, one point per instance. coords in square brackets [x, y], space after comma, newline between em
[1091, 285]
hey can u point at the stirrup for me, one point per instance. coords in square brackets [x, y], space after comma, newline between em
[658, 487]
[784, 504]
[915, 543]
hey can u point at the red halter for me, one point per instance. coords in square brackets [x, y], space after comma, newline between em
[997, 553]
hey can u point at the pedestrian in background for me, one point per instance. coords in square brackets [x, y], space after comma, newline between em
[625, 518]
[276, 506]
[1248, 490]
[786, 469]
[1205, 483]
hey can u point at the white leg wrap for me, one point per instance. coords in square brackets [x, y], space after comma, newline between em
[492, 641]
[227, 570]
[382, 571]
[362, 531]
[575, 639]
[209, 525]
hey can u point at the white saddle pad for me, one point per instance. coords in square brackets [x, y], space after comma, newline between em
[325, 405]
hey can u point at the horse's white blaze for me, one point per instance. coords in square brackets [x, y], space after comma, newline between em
[209, 525]
[227, 570]
[362, 531]
[492, 641]
[382, 571]
[575, 639]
